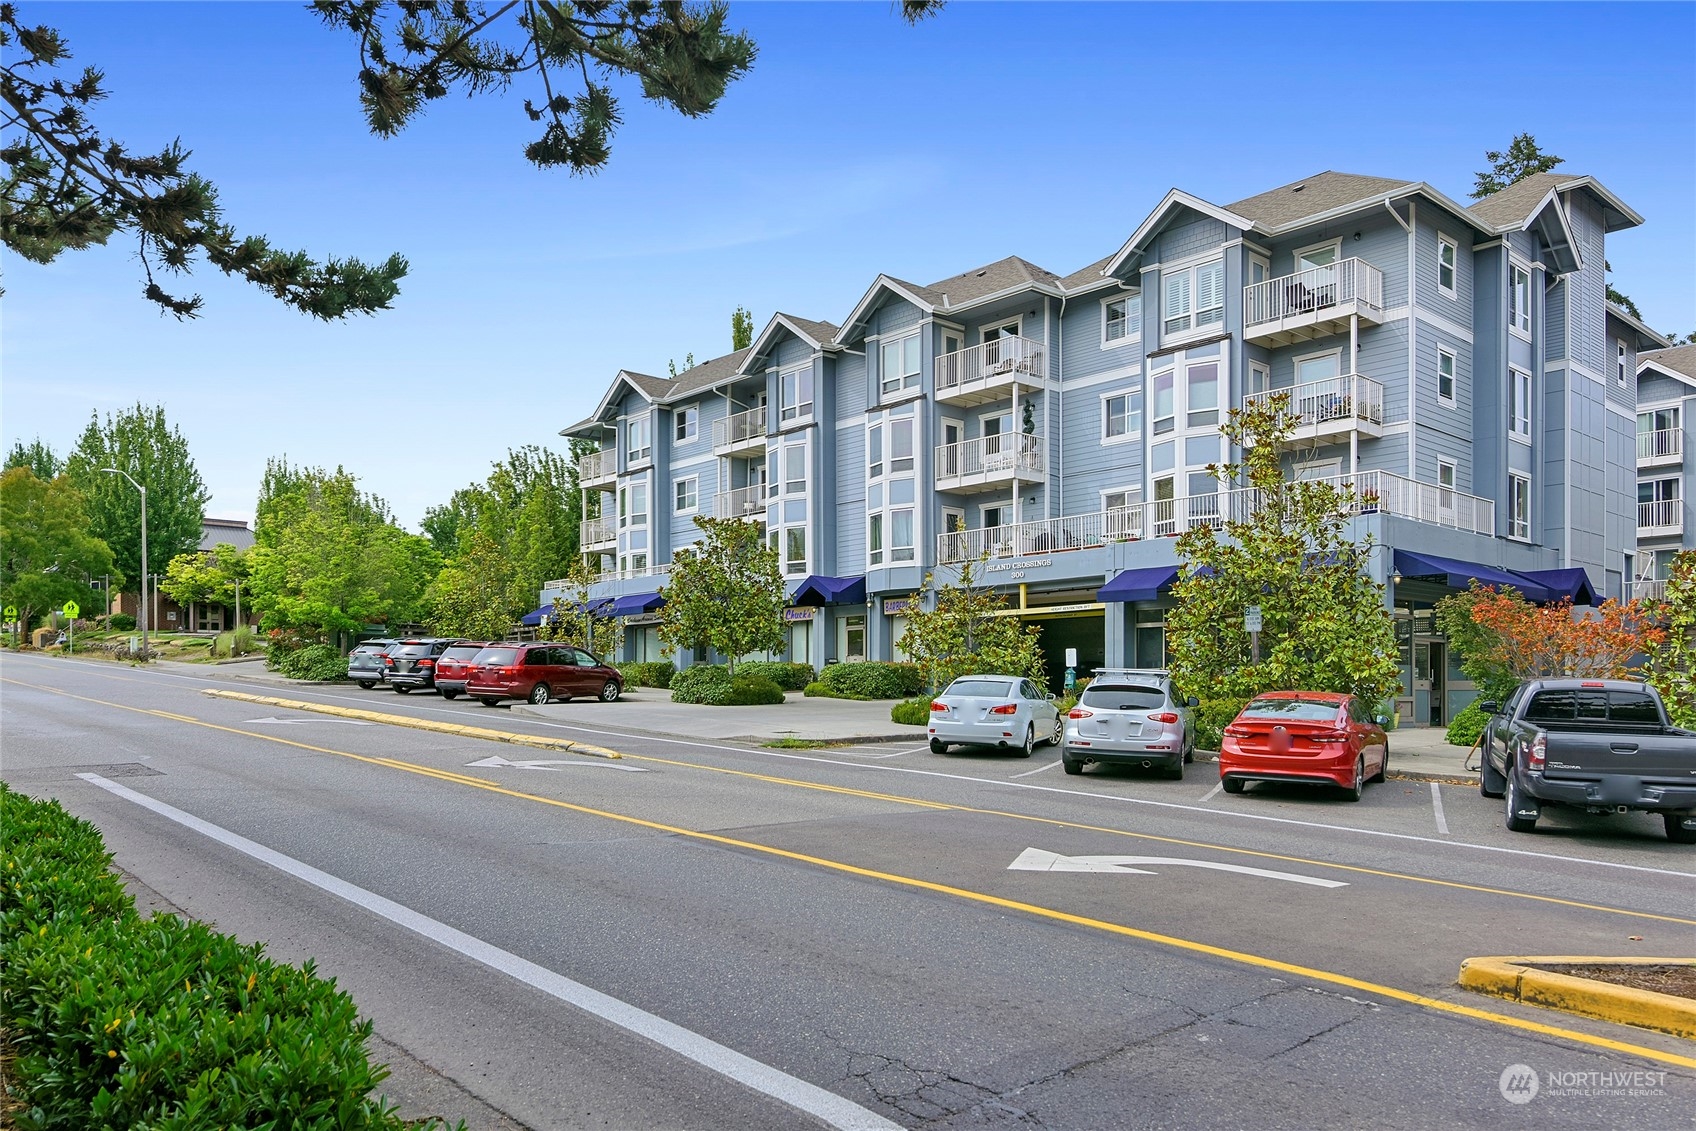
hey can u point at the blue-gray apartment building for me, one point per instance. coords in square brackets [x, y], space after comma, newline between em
[1459, 365]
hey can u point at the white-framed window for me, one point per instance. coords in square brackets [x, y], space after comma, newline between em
[1447, 264]
[1121, 497]
[1259, 269]
[953, 520]
[1519, 299]
[794, 469]
[1121, 416]
[1620, 358]
[633, 505]
[1519, 405]
[1259, 377]
[900, 444]
[633, 563]
[1445, 377]
[795, 549]
[901, 535]
[900, 365]
[795, 389]
[1201, 394]
[874, 538]
[1120, 518]
[687, 421]
[874, 450]
[1519, 507]
[639, 439]
[1445, 485]
[1192, 298]
[1165, 407]
[1121, 320]
[686, 495]
[996, 514]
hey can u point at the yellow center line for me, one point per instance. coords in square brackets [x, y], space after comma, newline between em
[966, 894]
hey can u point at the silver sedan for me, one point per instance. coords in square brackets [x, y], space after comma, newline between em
[1005, 711]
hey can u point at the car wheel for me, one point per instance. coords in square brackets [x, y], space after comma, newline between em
[1383, 767]
[539, 694]
[399, 690]
[1070, 765]
[367, 684]
[488, 702]
[938, 747]
[1676, 832]
[1189, 754]
[1176, 770]
[610, 691]
[1232, 785]
[1059, 734]
[1030, 741]
[450, 695]
[1353, 791]
[1517, 823]
[1490, 782]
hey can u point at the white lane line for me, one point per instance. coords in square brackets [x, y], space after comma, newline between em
[1214, 792]
[1437, 807]
[1038, 770]
[815, 1101]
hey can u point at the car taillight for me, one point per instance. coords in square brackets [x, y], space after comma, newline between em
[388, 661]
[1592, 683]
[1331, 736]
[938, 708]
[1237, 732]
[1538, 752]
[426, 663]
[1165, 717]
[1079, 713]
[1005, 709]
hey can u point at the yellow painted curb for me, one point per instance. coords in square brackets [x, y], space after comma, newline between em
[463, 731]
[1517, 978]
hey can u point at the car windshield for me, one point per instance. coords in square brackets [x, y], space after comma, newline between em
[498, 656]
[462, 652]
[1302, 710]
[989, 688]
[1123, 697]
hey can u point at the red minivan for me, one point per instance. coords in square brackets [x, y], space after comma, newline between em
[541, 673]
[1304, 736]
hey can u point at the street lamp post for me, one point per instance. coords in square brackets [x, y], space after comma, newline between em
[144, 610]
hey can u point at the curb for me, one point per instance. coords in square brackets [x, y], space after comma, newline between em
[1516, 978]
[419, 724]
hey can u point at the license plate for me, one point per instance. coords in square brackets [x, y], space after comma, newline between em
[1280, 742]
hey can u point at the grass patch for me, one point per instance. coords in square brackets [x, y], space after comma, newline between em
[799, 744]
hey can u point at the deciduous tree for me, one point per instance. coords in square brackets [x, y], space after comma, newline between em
[582, 620]
[37, 456]
[472, 596]
[724, 592]
[1671, 663]
[1515, 640]
[48, 553]
[200, 577]
[966, 631]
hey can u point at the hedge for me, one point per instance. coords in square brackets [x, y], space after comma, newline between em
[117, 1021]
[790, 677]
[869, 680]
[1211, 719]
[1465, 728]
[749, 690]
[713, 685]
[322, 662]
[913, 712]
[647, 673]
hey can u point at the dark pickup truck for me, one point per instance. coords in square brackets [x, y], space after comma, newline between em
[1604, 746]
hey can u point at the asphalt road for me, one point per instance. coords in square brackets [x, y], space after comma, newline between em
[705, 935]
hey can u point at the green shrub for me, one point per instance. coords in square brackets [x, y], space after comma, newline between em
[790, 677]
[647, 673]
[322, 662]
[116, 1021]
[121, 622]
[700, 683]
[1211, 719]
[868, 680]
[241, 641]
[818, 689]
[913, 712]
[912, 679]
[750, 690]
[1465, 728]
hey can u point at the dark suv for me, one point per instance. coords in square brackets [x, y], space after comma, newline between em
[541, 673]
[365, 663]
[412, 663]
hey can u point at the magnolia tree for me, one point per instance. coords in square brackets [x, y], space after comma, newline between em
[1282, 546]
[968, 631]
[725, 592]
[582, 620]
[1671, 663]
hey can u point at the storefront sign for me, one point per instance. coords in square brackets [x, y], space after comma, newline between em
[897, 606]
[800, 613]
[1021, 565]
[640, 619]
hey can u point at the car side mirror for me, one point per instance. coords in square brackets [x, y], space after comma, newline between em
[1490, 707]
[1192, 701]
[1051, 697]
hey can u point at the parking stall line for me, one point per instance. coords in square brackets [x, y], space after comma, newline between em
[1038, 770]
[1437, 808]
[1214, 792]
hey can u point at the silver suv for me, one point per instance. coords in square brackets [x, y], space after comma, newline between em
[1130, 717]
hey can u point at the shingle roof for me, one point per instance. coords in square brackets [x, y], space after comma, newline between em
[701, 376]
[1512, 206]
[654, 387]
[1681, 359]
[818, 331]
[1311, 196]
[1087, 276]
[1002, 275]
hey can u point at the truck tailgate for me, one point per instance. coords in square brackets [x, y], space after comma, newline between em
[1614, 750]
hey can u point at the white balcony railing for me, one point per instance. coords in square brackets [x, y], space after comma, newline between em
[1347, 400]
[1646, 589]
[597, 466]
[1662, 515]
[566, 584]
[997, 362]
[1664, 443]
[740, 430]
[1350, 286]
[1375, 492]
[597, 532]
[1002, 456]
[743, 502]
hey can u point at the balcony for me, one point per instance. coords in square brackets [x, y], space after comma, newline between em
[743, 502]
[1315, 303]
[985, 373]
[1333, 407]
[1659, 518]
[989, 463]
[1647, 589]
[1663, 446]
[597, 467]
[1376, 492]
[598, 533]
[740, 434]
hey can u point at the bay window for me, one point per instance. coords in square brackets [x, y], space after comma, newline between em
[639, 439]
[1193, 297]
[796, 394]
[900, 368]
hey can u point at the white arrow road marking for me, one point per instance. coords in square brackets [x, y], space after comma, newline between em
[292, 722]
[1036, 860]
[498, 762]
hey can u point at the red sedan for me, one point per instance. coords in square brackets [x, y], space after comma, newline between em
[1304, 736]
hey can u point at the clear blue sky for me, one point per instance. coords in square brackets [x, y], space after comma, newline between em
[857, 145]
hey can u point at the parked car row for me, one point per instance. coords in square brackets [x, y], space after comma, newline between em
[488, 671]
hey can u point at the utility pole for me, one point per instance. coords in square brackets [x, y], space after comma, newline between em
[144, 609]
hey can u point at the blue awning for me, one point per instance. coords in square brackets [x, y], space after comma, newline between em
[632, 603]
[821, 590]
[1457, 574]
[1570, 583]
[1138, 584]
[537, 616]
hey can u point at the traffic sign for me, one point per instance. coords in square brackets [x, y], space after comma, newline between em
[1251, 619]
[73, 610]
[11, 612]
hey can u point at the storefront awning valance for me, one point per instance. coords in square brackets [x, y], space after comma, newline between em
[1138, 584]
[600, 606]
[1571, 583]
[536, 616]
[821, 590]
[1457, 574]
[633, 603]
